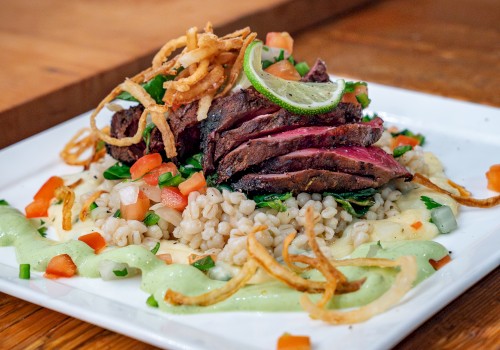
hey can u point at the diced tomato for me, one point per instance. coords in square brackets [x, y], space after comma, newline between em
[46, 192]
[137, 210]
[294, 342]
[173, 198]
[151, 178]
[283, 69]
[94, 240]
[60, 266]
[281, 40]
[350, 97]
[37, 209]
[41, 200]
[402, 140]
[493, 176]
[416, 225]
[165, 257]
[440, 263]
[145, 164]
[195, 183]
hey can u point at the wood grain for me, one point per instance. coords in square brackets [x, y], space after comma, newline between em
[60, 58]
[450, 48]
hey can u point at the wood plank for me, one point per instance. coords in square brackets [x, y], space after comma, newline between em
[59, 65]
[433, 47]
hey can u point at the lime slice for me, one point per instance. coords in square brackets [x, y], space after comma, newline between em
[297, 97]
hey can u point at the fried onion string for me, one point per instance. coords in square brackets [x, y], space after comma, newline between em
[464, 200]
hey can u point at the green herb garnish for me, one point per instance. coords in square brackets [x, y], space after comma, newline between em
[266, 63]
[24, 271]
[204, 264]
[400, 150]
[146, 135]
[117, 172]
[363, 100]
[430, 203]
[355, 203]
[117, 214]
[406, 132]
[100, 145]
[155, 248]
[167, 180]
[196, 161]
[274, 200]
[367, 118]
[92, 206]
[42, 231]
[151, 219]
[302, 68]
[121, 273]
[212, 180]
[4, 202]
[151, 301]
[154, 87]
[350, 86]
[222, 187]
[280, 57]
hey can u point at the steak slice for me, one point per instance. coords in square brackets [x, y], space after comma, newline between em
[317, 73]
[311, 180]
[256, 151]
[225, 113]
[372, 162]
[124, 123]
[186, 130]
[283, 120]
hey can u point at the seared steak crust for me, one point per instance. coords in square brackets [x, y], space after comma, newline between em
[311, 180]
[124, 124]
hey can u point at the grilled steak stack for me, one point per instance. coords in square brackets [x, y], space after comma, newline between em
[259, 147]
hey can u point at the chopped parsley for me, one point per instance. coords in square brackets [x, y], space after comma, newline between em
[121, 273]
[204, 264]
[117, 172]
[430, 203]
[400, 150]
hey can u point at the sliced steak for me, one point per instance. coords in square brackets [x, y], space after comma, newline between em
[228, 112]
[283, 120]
[124, 124]
[258, 150]
[186, 130]
[317, 73]
[311, 180]
[372, 162]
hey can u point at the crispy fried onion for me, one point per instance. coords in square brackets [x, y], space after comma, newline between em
[67, 195]
[401, 285]
[464, 197]
[84, 212]
[217, 295]
[206, 68]
[83, 141]
[335, 282]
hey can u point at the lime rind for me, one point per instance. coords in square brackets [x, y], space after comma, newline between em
[296, 97]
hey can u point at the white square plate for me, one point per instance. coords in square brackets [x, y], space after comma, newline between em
[465, 137]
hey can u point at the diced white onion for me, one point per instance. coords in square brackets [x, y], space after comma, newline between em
[152, 192]
[168, 214]
[129, 194]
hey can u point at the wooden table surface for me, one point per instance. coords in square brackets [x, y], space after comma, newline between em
[445, 47]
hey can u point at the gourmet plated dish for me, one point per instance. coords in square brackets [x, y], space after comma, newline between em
[232, 176]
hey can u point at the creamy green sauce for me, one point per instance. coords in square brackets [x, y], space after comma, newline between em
[157, 277]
